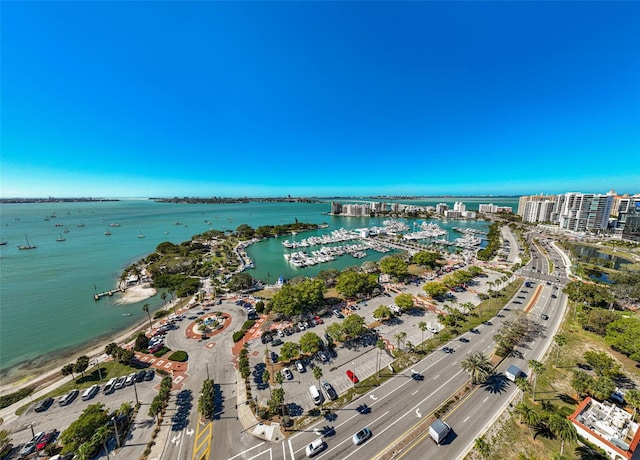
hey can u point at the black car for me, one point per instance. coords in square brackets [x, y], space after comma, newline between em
[544, 317]
[149, 375]
[140, 375]
[43, 405]
[328, 388]
[277, 342]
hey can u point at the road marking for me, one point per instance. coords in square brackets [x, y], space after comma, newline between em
[436, 377]
[190, 432]
[373, 397]
[485, 399]
[454, 363]
[483, 340]
[244, 452]
[291, 450]
[465, 420]
[175, 440]
[414, 393]
[418, 413]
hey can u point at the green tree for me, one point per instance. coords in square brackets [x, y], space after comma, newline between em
[279, 378]
[527, 415]
[142, 342]
[289, 350]
[336, 332]
[276, 400]
[382, 313]
[4, 440]
[81, 365]
[206, 401]
[145, 307]
[67, 369]
[478, 366]
[537, 368]
[623, 335]
[435, 289]
[561, 341]
[563, 429]
[317, 374]
[394, 266]
[352, 284]
[524, 385]
[404, 301]
[633, 399]
[602, 363]
[603, 388]
[582, 383]
[83, 428]
[353, 326]
[310, 342]
[423, 327]
[400, 337]
[483, 447]
[240, 282]
[427, 259]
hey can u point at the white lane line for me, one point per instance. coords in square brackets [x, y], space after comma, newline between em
[483, 340]
[349, 440]
[436, 377]
[465, 420]
[485, 399]
[415, 392]
[244, 452]
[454, 363]
[290, 450]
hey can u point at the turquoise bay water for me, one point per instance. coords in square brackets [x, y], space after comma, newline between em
[46, 294]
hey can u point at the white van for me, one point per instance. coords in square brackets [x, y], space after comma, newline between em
[315, 395]
[90, 392]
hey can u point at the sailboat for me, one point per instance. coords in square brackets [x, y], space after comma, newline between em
[141, 235]
[61, 238]
[107, 233]
[28, 245]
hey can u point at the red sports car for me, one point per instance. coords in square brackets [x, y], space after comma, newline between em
[352, 376]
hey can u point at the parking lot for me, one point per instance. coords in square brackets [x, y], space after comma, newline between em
[363, 358]
[58, 417]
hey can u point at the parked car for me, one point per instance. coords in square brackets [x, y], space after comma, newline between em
[43, 404]
[322, 356]
[300, 366]
[301, 326]
[149, 375]
[331, 392]
[280, 333]
[69, 397]
[140, 375]
[120, 383]
[47, 439]
[544, 317]
[361, 436]
[30, 447]
[274, 357]
[352, 376]
[287, 373]
[130, 379]
[277, 342]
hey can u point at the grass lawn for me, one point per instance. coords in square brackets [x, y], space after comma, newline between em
[509, 438]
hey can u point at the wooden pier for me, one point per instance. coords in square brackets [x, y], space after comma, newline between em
[99, 295]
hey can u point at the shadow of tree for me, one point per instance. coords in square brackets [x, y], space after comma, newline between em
[496, 383]
[295, 410]
[587, 453]
[541, 429]
[180, 418]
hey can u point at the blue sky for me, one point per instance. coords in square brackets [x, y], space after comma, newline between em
[319, 98]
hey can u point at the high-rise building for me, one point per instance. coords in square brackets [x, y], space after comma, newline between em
[585, 211]
[441, 208]
[537, 208]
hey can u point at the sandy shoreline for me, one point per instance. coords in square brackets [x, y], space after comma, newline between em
[135, 294]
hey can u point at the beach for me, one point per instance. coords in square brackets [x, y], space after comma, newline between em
[136, 294]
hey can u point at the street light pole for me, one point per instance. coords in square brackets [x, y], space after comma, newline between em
[34, 438]
[135, 390]
[206, 363]
[115, 425]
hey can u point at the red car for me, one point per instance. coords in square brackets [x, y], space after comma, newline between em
[352, 376]
[319, 320]
[46, 439]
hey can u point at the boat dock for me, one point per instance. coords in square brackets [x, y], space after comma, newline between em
[100, 295]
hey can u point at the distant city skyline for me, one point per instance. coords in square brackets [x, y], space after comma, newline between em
[266, 99]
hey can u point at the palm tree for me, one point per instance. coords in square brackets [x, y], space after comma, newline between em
[483, 447]
[561, 341]
[145, 307]
[527, 415]
[400, 336]
[537, 368]
[279, 378]
[633, 399]
[317, 374]
[563, 429]
[423, 327]
[524, 385]
[477, 365]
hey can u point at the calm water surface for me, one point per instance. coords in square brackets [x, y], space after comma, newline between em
[46, 294]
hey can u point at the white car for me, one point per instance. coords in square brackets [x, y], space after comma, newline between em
[287, 373]
[315, 447]
[300, 366]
